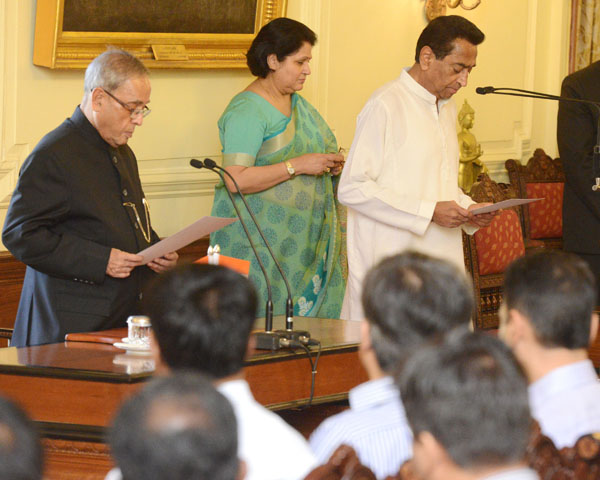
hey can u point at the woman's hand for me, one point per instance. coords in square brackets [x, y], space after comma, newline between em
[339, 165]
[318, 163]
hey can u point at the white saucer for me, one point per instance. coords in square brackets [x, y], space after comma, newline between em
[132, 347]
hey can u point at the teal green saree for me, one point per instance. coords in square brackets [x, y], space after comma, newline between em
[300, 216]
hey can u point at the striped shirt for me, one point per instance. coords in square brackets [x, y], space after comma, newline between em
[375, 426]
[566, 403]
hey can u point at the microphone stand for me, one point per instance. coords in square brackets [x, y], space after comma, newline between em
[269, 339]
[517, 92]
[289, 331]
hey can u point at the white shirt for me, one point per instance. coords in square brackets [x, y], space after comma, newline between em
[514, 474]
[271, 448]
[403, 160]
[375, 426]
[566, 403]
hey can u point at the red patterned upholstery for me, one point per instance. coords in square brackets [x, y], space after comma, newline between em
[500, 243]
[546, 215]
[542, 177]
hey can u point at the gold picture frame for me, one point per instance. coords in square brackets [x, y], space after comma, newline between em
[70, 33]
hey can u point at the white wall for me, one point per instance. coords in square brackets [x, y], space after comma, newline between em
[361, 46]
[368, 43]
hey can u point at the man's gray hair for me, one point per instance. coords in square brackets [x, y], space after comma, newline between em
[111, 69]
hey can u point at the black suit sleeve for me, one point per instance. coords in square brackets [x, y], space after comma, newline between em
[576, 134]
[35, 232]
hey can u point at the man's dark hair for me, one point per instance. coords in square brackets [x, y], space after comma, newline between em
[178, 427]
[282, 36]
[202, 316]
[442, 32]
[21, 455]
[470, 393]
[410, 298]
[556, 291]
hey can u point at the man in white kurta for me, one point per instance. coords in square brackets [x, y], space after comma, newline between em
[401, 178]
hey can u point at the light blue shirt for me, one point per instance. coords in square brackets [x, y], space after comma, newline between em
[566, 403]
[375, 426]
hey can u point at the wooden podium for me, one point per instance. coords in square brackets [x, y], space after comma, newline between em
[73, 389]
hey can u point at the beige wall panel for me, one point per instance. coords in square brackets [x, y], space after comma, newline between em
[362, 45]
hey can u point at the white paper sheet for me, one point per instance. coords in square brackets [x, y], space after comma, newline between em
[513, 202]
[189, 234]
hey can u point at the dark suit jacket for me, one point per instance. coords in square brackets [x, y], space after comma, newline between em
[65, 215]
[577, 131]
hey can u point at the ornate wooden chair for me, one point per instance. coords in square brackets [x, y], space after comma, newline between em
[489, 251]
[5, 336]
[342, 465]
[542, 177]
[580, 462]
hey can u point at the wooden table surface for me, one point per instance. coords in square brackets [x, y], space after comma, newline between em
[73, 389]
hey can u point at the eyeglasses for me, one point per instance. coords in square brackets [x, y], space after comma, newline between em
[133, 112]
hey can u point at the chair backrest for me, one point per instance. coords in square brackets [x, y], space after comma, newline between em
[490, 250]
[579, 462]
[542, 177]
[342, 465]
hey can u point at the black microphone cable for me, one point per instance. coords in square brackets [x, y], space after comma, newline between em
[518, 92]
[269, 306]
[289, 331]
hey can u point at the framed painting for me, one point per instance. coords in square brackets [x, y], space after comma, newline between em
[162, 33]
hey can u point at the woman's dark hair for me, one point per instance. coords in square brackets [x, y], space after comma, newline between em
[282, 36]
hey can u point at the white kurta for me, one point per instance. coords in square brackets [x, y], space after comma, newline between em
[403, 160]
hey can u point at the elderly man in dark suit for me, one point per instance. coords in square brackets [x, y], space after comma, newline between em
[78, 213]
[577, 134]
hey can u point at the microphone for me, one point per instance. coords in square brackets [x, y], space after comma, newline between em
[517, 92]
[484, 90]
[289, 331]
[270, 341]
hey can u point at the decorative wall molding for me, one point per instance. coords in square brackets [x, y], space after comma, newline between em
[520, 146]
[12, 154]
[177, 182]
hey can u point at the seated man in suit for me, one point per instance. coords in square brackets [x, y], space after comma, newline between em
[177, 428]
[21, 455]
[202, 317]
[466, 401]
[547, 319]
[408, 299]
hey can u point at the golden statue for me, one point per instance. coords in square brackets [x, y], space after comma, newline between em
[470, 165]
[437, 8]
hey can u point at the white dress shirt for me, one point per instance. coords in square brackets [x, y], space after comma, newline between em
[375, 426]
[403, 160]
[566, 403]
[271, 448]
[514, 474]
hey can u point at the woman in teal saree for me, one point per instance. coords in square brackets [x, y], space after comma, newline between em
[284, 157]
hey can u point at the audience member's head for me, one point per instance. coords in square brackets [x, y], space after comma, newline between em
[549, 298]
[466, 401]
[177, 428]
[411, 298]
[21, 456]
[202, 316]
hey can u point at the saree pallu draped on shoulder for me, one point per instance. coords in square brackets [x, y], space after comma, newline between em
[299, 217]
